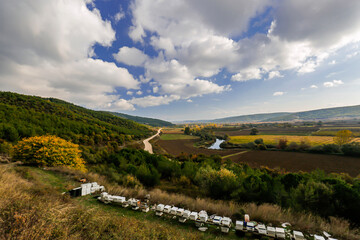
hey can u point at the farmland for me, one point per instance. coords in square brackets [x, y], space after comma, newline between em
[294, 131]
[274, 139]
[177, 147]
[331, 131]
[177, 137]
[294, 161]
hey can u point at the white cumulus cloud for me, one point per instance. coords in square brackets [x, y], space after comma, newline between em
[247, 74]
[45, 48]
[130, 56]
[278, 93]
[333, 83]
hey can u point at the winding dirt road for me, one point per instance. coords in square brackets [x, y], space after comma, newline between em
[148, 146]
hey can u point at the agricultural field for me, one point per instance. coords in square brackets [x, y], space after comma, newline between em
[177, 147]
[294, 161]
[331, 131]
[176, 137]
[274, 139]
[294, 131]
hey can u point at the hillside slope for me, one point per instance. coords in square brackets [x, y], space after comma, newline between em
[25, 116]
[249, 118]
[313, 115]
[321, 114]
[33, 207]
[144, 120]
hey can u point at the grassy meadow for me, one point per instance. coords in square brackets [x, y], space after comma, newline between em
[32, 207]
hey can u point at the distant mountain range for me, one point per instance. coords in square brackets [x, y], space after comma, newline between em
[325, 114]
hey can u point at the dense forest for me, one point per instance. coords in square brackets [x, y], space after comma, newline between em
[24, 116]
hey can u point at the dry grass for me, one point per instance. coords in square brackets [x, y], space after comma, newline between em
[30, 209]
[274, 139]
[267, 213]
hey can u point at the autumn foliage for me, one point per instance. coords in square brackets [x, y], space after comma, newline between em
[343, 137]
[49, 151]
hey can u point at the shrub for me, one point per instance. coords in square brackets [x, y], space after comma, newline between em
[331, 148]
[254, 131]
[282, 143]
[131, 181]
[184, 181]
[304, 145]
[351, 149]
[316, 149]
[270, 146]
[261, 146]
[48, 151]
[293, 146]
[251, 145]
[259, 141]
[343, 137]
[5, 147]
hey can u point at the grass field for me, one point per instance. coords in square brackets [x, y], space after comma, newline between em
[274, 139]
[176, 137]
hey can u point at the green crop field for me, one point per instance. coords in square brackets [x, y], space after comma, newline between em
[274, 139]
[176, 137]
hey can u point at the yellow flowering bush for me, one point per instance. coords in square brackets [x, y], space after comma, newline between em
[49, 151]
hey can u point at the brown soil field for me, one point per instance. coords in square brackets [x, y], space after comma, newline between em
[293, 161]
[176, 147]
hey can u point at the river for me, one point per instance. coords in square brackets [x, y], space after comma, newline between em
[216, 144]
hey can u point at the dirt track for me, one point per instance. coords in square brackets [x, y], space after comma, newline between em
[147, 145]
[293, 162]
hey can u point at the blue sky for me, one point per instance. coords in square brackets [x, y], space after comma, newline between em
[183, 59]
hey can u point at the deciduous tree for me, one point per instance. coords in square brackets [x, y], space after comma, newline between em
[49, 151]
[343, 137]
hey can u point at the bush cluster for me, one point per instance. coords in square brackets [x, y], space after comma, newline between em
[49, 151]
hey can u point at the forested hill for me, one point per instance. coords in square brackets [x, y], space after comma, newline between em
[144, 120]
[25, 116]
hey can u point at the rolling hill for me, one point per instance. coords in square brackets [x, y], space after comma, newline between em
[337, 113]
[25, 116]
[321, 114]
[249, 118]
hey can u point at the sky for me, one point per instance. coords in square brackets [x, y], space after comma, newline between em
[183, 59]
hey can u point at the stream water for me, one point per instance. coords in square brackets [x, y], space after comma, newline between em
[216, 144]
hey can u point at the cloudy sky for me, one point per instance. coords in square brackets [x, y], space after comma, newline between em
[183, 59]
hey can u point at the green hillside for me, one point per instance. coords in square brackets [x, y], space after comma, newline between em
[25, 116]
[144, 120]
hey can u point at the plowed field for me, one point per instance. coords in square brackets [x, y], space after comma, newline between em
[293, 162]
[176, 147]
